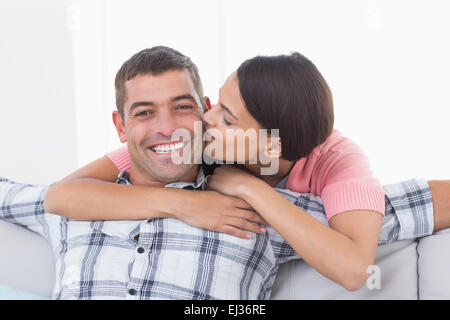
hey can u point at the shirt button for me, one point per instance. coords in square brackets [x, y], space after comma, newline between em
[132, 292]
[140, 250]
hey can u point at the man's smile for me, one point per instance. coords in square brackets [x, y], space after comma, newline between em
[168, 147]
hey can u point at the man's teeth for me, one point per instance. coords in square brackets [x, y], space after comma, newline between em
[165, 148]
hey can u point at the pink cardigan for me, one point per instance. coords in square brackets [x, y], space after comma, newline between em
[337, 171]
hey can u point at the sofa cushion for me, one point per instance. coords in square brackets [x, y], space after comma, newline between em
[7, 293]
[26, 260]
[434, 266]
[397, 264]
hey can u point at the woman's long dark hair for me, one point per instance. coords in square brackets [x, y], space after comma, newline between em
[288, 93]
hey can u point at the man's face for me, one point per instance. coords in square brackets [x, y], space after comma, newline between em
[155, 107]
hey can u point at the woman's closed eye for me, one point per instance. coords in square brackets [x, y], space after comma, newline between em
[228, 123]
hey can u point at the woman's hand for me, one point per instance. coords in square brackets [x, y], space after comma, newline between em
[231, 181]
[217, 212]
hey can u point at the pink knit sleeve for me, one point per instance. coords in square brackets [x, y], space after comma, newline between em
[348, 183]
[120, 158]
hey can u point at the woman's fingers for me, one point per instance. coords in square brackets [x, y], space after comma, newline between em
[233, 231]
[239, 203]
[245, 225]
[229, 215]
[250, 215]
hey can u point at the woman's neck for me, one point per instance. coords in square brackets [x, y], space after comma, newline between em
[284, 168]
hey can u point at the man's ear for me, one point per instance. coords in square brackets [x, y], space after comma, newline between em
[207, 103]
[120, 127]
[273, 147]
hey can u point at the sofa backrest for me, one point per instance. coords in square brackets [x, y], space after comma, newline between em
[394, 276]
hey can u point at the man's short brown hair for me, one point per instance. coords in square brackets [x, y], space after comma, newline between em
[154, 61]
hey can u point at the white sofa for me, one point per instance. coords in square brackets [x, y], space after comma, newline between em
[408, 270]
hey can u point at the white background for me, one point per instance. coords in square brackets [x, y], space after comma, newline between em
[387, 63]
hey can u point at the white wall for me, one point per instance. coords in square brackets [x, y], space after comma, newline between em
[386, 62]
[37, 131]
[108, 32]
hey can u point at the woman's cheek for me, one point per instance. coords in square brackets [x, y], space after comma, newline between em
[240, 150]
[251, 150]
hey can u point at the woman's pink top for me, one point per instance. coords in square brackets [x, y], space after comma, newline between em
[337, 171]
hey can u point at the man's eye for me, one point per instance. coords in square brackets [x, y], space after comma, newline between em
[143, 113]
[184, 107]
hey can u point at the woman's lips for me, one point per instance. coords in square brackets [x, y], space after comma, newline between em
[208, 136]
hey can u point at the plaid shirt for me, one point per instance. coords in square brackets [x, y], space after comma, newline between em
[173, 260]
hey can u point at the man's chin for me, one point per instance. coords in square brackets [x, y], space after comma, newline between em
[170, 172]
[162, 168]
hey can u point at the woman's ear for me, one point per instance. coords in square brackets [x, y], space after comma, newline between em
[273, 148]
[120, 127]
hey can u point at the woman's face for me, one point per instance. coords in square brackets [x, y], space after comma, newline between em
[234, 133]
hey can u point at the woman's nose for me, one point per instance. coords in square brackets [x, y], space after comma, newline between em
[209, 115]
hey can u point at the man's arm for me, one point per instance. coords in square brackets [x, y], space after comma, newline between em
[23, 204]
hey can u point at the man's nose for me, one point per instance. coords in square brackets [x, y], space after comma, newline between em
[167, 123]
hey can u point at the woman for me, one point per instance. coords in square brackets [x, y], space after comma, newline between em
[282, 92]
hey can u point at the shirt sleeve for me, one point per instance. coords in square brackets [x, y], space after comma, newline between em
[23, 204]
[120, 158]
[348, 183]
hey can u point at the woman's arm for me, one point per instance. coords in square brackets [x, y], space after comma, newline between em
[91, 194]
[342, 253]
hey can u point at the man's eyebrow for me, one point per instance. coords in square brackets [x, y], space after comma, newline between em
[139, 104]
[187, 96]
[228, 110]
[152, 104]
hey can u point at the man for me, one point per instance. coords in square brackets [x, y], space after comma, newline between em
[166, 258]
